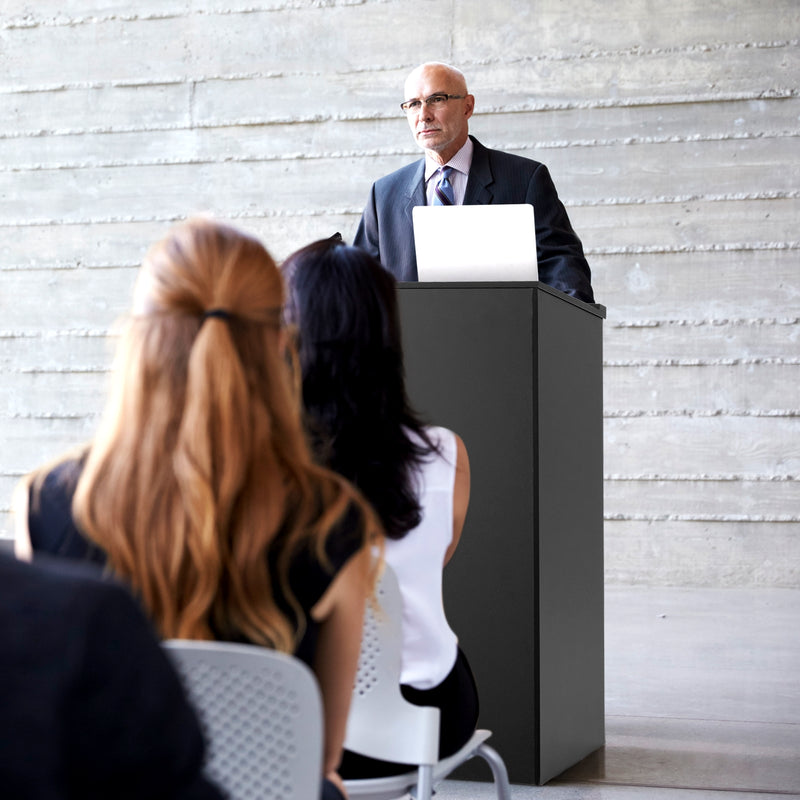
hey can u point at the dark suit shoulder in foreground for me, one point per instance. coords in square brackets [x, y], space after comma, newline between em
[89, 705]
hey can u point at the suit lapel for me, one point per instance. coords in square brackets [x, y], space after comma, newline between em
[413, 193]
[480, 179]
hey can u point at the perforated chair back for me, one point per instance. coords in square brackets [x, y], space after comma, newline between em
[261, 713]
[383, 724]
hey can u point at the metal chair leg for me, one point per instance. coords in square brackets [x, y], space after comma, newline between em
[424, 788]
[499, 771]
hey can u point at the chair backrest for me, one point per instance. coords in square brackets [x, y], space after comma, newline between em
[382, 723]
[261, 712]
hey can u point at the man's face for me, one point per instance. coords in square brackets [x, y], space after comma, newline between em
[442, 130]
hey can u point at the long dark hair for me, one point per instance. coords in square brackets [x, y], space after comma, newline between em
[344, 305]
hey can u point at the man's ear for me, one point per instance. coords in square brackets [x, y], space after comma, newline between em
[469, 102]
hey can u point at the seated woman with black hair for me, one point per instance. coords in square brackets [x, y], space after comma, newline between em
[344, 305]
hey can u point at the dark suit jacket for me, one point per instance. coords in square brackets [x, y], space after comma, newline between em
[90, 707]
[386, 229]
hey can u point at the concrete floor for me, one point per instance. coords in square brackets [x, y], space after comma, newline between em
[702, 701]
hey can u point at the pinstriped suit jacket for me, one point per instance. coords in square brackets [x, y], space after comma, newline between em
[386, 229]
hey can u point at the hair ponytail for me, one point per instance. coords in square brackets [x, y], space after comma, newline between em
[200, 477]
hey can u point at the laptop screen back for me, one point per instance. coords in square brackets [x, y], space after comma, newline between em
[475, 243]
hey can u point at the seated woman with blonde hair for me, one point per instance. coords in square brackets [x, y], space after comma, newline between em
[199, 490]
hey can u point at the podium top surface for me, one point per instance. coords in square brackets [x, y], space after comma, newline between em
[593, 308]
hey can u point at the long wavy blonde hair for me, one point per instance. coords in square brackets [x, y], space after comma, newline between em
[200, 467]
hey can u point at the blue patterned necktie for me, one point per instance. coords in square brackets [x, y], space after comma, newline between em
[443, 193]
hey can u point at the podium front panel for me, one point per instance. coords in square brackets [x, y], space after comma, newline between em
[473, 362]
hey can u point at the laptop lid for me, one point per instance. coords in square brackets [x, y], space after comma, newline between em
[475, 243]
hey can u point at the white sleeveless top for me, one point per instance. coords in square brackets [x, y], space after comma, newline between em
[429, 644]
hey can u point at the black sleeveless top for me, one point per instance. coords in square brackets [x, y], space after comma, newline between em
[53, 531]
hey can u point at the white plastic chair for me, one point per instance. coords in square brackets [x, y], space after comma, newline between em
[261, 713]
[383, 724]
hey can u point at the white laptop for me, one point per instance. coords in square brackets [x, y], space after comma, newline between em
[475, 243]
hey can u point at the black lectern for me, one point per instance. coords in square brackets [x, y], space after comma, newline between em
[516, 370]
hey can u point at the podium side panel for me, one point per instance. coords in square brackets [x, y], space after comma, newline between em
[469, 367]
[570, 451]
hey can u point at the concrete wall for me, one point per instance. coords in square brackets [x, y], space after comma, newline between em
[671, 130]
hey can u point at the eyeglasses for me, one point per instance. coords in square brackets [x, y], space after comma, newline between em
[434, 101]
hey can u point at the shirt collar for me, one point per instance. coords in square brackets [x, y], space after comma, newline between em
[461, 161]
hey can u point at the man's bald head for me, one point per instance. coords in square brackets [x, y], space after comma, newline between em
[439, 108]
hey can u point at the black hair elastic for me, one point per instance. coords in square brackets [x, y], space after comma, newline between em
[220, 313]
